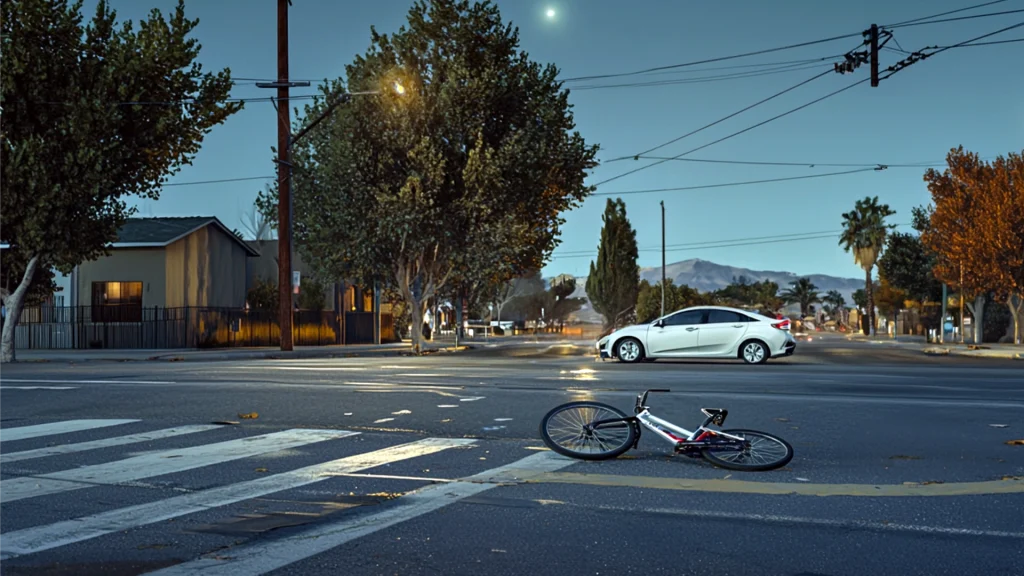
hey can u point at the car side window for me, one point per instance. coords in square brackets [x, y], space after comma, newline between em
[725, 317]
[688, 318]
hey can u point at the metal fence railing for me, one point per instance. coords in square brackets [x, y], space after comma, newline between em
[136, 327]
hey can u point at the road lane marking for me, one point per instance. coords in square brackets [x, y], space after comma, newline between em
[105, 443]
[62, 427]
[263, 557]
[1011, 486]
[313, 368]
[38, 387]
[161, 463]
[40, 538]
[830, 523]
[23, 381]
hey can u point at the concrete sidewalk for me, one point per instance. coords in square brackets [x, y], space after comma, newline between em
[220, 354]
[1003, 351]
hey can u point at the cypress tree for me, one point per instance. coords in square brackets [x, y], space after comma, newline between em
[613, 283]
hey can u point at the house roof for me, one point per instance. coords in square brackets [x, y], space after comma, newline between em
[163, 231]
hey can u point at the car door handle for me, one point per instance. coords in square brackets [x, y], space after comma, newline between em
[691, 329]
[737, 325]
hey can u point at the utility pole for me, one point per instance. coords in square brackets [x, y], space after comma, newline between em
[284, 198]
[874, 55]
[663, 258]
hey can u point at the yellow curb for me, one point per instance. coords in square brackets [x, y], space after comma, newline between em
[1009, 486]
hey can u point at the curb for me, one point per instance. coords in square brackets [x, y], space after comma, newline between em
[989, 353]
[228, 356]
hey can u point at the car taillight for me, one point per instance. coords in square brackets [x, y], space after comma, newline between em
[784, 325]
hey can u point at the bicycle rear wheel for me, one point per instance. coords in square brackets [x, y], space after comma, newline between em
[762, 452]
[565, 429]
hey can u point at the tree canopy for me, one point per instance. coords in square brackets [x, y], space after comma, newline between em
[648, 301]
[462, 174]
[613, 282]
[907, 265]
[92, 114]
[975, 229]
[803, 292]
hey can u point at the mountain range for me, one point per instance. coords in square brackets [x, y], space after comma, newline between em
[708, 276]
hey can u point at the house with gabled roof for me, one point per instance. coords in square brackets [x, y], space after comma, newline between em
[167, 262]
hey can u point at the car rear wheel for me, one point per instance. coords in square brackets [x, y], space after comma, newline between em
[754, 352]
[629, 350]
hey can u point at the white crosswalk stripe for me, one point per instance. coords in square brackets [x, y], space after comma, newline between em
[53, 428]
[260, 556]
[105, 443]
[169, 462]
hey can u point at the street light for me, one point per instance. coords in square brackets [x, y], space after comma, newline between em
[399, 89]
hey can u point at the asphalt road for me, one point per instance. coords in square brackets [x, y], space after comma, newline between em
[904, 465]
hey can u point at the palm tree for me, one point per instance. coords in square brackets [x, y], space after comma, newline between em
[803, 291]
[864, 232]
[834, 299]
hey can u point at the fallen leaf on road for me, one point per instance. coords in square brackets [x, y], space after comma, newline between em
[537, 448]
[261, 469]
[482, 458]
[547, 502]
[472, 399]
[446, 420]
[798, 479]
[727, 476]
[782, 419]
[383, 420]
[348, 413]
[999, 425]
[447, 405]
[502, 419]
[400, 412]
[1015, 442]
[249, 416]
[927, 482]
[499, 551]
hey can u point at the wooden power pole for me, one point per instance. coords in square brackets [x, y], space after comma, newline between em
[284, 196]
[662, 258]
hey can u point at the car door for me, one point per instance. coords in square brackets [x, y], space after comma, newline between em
[675, 335]
[722, 331]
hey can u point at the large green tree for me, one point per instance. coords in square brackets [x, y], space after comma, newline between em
[462, 173]
[614, 280]
[92, 114]
[864, 232]
[907, 266]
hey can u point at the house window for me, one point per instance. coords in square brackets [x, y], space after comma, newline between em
[117, 301]
[367, 300]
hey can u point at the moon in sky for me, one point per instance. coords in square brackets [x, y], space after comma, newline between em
[551, 12]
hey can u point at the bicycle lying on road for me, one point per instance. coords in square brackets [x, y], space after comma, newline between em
[594, 431]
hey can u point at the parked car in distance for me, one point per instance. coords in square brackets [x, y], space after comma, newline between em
[702, 332]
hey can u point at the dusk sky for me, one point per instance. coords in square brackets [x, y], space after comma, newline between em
[965, 96]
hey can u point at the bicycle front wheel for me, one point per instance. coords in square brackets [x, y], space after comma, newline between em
[567, 430]
[762, 452]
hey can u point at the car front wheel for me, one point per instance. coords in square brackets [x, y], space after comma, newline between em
[629, 350]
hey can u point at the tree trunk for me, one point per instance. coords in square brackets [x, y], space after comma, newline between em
[14, 304]
[977, 309]
[458, 314]
[1016, 305]
[869, 313]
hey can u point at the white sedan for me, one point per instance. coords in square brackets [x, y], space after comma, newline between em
[702, 332]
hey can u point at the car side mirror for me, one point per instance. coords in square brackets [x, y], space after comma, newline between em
[659, 324]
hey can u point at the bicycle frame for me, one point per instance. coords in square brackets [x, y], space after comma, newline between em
[655, 424]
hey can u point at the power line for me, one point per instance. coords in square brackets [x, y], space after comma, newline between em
[703, 79]
[759, 124]
[807, 164]
[724, 243]
[993, 42]
[709, 242]
[729, 184]
[710, 60]
[987, 15]
[219, 181]
[976, 6]
[921, 55]
[723, 119]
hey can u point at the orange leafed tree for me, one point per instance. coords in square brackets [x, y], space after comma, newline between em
[976, 229]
